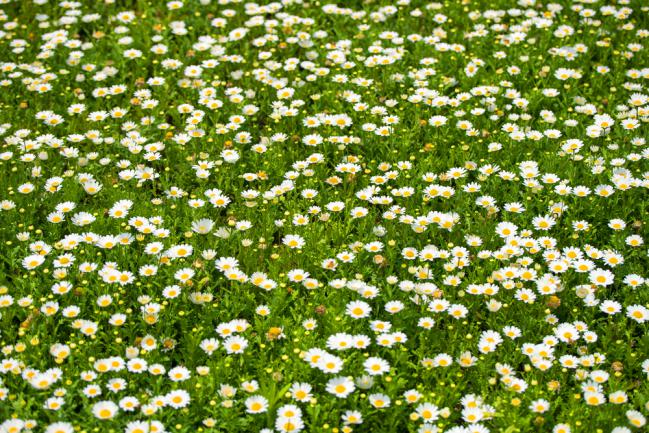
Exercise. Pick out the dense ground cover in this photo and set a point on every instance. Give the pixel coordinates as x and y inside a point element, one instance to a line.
<point>374,216</point>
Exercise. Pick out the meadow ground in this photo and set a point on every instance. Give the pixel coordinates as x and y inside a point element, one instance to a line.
<point>369,216</point>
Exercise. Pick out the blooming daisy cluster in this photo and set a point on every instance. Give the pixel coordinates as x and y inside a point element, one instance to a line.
<point>328,217</point>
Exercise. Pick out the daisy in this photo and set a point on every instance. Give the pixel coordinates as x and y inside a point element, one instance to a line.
<point>379,401</point>
<point>358,309</point>
<point>340,387</point>
<point>301,392</point>
<point>235,345</point>
<point>376,366</point>
<point>428,412</point>
<point>105,410</point>
<point>178,399</point>
<point>256,404</point>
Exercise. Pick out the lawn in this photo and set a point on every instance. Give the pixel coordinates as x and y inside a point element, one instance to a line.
<point>364,216</point>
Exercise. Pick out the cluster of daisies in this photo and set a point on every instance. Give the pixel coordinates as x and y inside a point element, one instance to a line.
<point>405,216</point>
